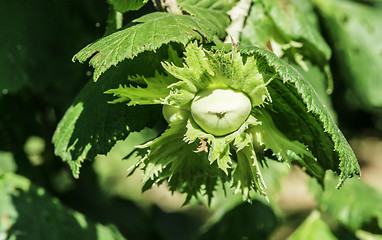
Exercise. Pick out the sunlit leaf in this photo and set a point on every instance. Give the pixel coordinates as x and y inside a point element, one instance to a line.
<point>127,5</point>
<point>210,10</point>
<point>148,33</point>
<point>313,228</point>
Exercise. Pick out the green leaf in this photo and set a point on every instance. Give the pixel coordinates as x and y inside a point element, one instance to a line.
<point>91,126</point>
<point>28,211</point>
<point>290,29</point>
<point>270,137</point>
<point>273,139</point>
<point>258,28</point>
<point>149,33</point>
<point>299,114</point>
<point>24,53</point>
<point>294,23</point>
<point>355,205</point>
<point>313,228</point>
<point>245,221</point>
<point>212,11</point>
<point>317,78</point>
<point>127,5</point>
<point>7,162</point>
<point>356,38</point>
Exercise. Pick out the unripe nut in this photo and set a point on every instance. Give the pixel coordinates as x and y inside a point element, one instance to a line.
<point>220,111</point>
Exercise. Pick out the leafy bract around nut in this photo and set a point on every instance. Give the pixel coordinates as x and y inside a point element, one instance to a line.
<point>224,138</point>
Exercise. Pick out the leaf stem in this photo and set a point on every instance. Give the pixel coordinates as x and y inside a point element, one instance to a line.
<point>118,20</point>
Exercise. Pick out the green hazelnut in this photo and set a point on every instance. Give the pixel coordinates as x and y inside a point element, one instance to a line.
<point>220,111</point>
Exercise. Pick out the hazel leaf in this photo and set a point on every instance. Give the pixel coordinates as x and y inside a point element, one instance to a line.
<point>147,33</point>
<point>127,5</point>
<point>298,113</point>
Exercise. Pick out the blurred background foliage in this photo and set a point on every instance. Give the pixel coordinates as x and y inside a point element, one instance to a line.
<point>39,199</point>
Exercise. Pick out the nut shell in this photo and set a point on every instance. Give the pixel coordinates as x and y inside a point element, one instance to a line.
<point>220,111</point>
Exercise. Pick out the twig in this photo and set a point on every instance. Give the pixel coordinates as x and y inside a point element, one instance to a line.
<point>172,6</point>
<point>238,15</point>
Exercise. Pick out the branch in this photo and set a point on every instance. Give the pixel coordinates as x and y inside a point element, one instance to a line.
<point>238,15</point>
<point>172,6</point>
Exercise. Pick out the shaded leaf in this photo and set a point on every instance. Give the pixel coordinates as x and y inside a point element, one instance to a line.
<point>284,22</point>
<point>290,30</point>
<point>92,126</point>
<point>245,221</point>
<point>298,113</point>
<point>24,52</point>
<point>295,24</point>
<point>28,212</point>
<point>354,32</point>
<point>283,148</point>
<point>356,204</point>
<point>149,33</point>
